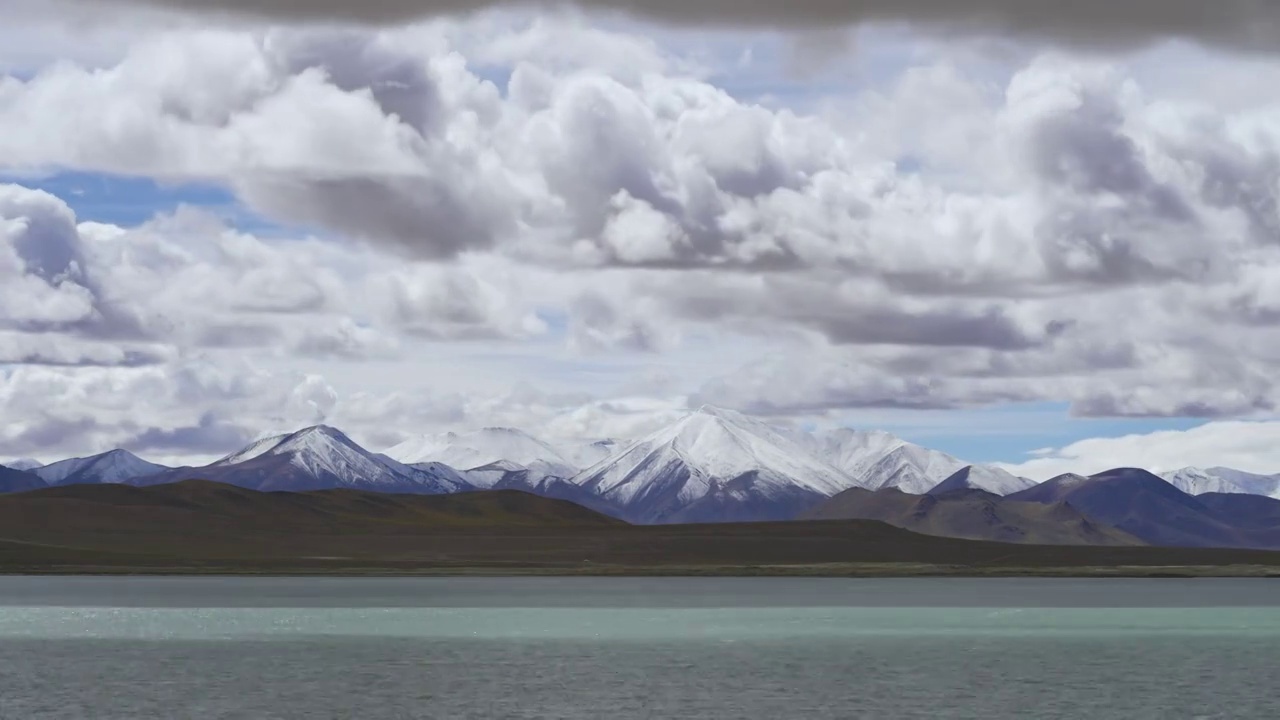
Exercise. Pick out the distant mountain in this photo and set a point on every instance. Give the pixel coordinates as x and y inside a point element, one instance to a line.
<point>14,480</point>
<point>588,454</point>
<point>465,451</point>
<point>973,515</point>
<point>1149,508</point>
<point>23,464</point>
<point>879,460</point>
<point>713,466</point>
<point>1197,481</point>
<point>1244,511</point>
<point>987,479</point>
<point>114,467</point>
<point>317,458</point>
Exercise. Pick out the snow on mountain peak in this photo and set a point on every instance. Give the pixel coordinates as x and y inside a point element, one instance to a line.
<point>322,449</point>
<point>879,460</point>
<point>1198,481</point>
<point>253,450</point>
<point>114,466</point>
<point>714,446</point>
<point>477,449</point>
<point>324,452</point>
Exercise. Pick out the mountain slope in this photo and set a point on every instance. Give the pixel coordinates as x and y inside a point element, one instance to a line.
<point>318,458</point>
<point>972,515</point>
<point>1149,508</point>
<point>116,466</point>
<point>987,479</point>
<point>713,466</point>
<point>14,480</point>
<point>1244,510</point>
<point>855,452</point>
<point>466,451</point>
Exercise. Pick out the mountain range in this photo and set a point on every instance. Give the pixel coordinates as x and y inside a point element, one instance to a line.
<point>717,466</point>
<point>318,458</point>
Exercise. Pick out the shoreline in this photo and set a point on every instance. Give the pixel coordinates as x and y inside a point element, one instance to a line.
<point>840,570</point>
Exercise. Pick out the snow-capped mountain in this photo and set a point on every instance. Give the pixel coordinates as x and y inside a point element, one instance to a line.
<point>468,451</point>
<point>114,467</point>
<point>1197,481</point>
<point>319,458</point>
<point>23,464</point>
<point>987,479</point>
<point>712,466</point>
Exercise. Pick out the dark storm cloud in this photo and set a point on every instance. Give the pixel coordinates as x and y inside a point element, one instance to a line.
<point>1122,406</point>
<point>43,432</point>
<point>991,329</point>
<point>857,322</point>
<point>73,358</point>
<point>211,435</point>
<point>424,215</point>
<point>400,86</point>
<point>1253,24</point>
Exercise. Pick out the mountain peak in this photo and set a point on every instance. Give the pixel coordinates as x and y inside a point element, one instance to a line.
<point>987,479</point>
<point>322,456</point>
<point>324,430</point>
<point>723,415</point>
<point>711,458</point>
<point>113,466</point>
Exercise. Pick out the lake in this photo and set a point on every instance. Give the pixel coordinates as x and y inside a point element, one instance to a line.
<point>751,648</point>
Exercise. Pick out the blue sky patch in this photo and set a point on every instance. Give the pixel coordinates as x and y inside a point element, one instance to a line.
<point>131,201</point>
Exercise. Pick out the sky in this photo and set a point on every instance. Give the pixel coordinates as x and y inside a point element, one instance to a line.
<point>1033,233</point>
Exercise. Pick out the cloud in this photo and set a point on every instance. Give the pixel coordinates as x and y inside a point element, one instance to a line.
<point>51,349</point>
<point>1247,446</point>
<point>211,435</point>
<point>479,204</point>
<point>376,137</point>
<point>1238,23</point>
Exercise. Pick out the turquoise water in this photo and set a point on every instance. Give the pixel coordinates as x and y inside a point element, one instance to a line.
<point>612,648</point>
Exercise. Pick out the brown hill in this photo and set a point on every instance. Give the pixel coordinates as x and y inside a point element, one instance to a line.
<point>210,515</point>
<point>972,515</point>
<point>206,527</point>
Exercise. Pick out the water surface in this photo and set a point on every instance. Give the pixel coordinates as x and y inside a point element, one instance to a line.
<point>751,648</point>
